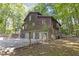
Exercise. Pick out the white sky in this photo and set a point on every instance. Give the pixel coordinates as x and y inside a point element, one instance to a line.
<point>30,5</point>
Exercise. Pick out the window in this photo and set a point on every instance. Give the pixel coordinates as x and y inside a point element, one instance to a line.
<point>26,26</point>
<point>43,21</point>
<point>23,27</point>
<point>30,35</point>
<point>36,35</point>
<point>45,35</point>
<point>33,24</point>
<point>27,35</point>
<point>22,35</point>
<point>29,18</point>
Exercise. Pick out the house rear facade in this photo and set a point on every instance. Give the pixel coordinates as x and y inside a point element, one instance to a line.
<point>37,26</point>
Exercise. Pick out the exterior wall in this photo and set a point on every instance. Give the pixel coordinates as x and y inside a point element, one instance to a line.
<point>37,23</point>
<point>31,22</point>
<point>43,20</point>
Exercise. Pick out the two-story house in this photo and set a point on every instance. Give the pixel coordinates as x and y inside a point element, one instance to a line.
<point>37,26</point>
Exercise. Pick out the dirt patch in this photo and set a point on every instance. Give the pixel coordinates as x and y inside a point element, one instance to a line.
<point>53,48</point>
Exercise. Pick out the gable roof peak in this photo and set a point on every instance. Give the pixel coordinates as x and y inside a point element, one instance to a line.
<point>34,12</point>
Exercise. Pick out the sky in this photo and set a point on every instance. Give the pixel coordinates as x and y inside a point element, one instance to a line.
<point>30,5</point>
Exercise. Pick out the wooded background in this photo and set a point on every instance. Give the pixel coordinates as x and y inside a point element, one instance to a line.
<point>67,14</point>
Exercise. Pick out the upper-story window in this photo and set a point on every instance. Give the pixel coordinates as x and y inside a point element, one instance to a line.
<point>57,25</point>
<point>25,27</point>
<point>43,22</point>
<point>29,18</point>
<point>33,24</point>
